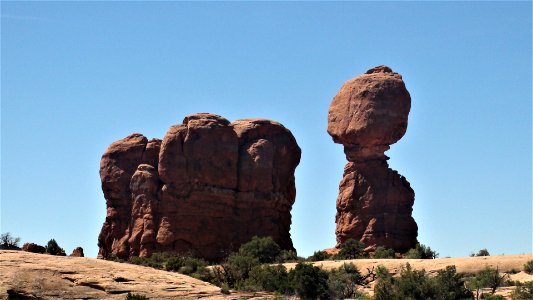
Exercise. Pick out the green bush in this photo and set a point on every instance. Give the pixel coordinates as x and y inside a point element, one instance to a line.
<point>351,249</point>
<point>382,252</point>
<point>319,256</point>
<point>487,278</point>
<point>449,285</point>
<point>194,265</point>
<point>157,260</point>
<point>237,268</point>
<point>53,248</point>
<point>264,249</point>
<point>288,256</point>
<point>421,252</point>
<point>482,252</point>
<point>224,289</point>
<point>173,264</point>
<point>417,284</point>
<point>309,282</point>
<point>342,281</point>
<point>523,292</point>
<point>268,278</point>
<point>384,287</point>
<point>413,284</point>
<point>528,267</point>
<point>131,296</point>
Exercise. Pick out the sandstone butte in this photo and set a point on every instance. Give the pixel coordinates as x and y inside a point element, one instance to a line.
<point>375,203</point>
<point>206,188</point>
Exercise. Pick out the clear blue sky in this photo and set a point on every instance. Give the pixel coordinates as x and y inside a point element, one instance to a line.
<point>77,76</point>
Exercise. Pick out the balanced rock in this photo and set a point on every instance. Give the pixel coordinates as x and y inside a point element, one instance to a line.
<point>369,113</point>
<point>206,188</point>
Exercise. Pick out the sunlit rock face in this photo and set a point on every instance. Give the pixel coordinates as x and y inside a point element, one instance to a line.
<point>206,188</point>
<point>368,114</point>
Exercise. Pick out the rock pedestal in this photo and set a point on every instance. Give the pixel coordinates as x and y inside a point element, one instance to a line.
<point>374,205</point>
<point>206,188</point>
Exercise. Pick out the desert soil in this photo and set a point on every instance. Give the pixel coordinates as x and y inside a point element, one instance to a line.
<point>54,277</point>
<point>509,265</point>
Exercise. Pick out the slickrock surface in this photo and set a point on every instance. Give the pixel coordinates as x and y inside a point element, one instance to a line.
<point>369,113</point>
<point>42,276</point>
<point>206,188</point>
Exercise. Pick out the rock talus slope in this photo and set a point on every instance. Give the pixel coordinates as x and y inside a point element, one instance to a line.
<point>206,188</point>
<point>369,113</point>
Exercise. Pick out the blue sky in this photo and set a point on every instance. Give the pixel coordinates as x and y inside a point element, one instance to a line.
<point>77,76</point>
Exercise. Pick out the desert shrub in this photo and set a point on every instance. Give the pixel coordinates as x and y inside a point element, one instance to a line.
<point>449,285</point>
<point>413,284</point>
<point>241,265</point>
<point>528,267</point>
<point>487,278</point>
<point>131,296</point>
<point>264,249</point>
<point>136,260</point>
<point>235,270</point>
<point>384,288</point>
<point>288,256</point>
<point>417,284</point>
<point>523,292</point>
<point>268,278</point>
<point>309,282</point>
<point>8,242</point>
<point>382,252</point>
<point>157,260</point>
<point>421,252</point>
<point>53,248</point>
<point>224,289</point>
<point>342,281</point>
<point>114,257</point>
<point>319,256</point>
<point>351,249</point>
<point>174,263</point>
<point>187,265</point>
<point>192,265</point>
<point>482,252</point>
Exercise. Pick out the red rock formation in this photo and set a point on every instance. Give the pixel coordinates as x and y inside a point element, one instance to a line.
<point>207,188</point>
<point>31,247</point>
<point>78,252</point>
<point>375,203</point>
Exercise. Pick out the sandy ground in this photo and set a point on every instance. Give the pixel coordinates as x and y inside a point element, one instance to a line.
<point>56,277</point>
<point>509,265</point>
<point>505,263</point>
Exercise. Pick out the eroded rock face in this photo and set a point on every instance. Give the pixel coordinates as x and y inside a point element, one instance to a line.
<point>206,188</point>
<point>370,113</point>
